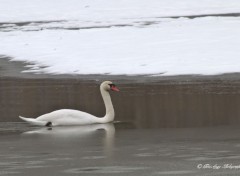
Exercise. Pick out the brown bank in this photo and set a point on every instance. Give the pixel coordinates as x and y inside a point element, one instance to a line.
<point>183,101</point>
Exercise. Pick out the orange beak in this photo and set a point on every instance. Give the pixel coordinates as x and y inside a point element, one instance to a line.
<point>114,88</point>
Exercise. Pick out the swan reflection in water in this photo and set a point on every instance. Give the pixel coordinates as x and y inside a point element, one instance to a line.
<point>75,137</point>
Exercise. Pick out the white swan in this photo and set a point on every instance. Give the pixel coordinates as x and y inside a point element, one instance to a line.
<point>75,117</point>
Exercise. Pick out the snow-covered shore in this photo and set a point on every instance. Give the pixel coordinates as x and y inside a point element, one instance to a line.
<point>124,37</point>
<point>107,10</point>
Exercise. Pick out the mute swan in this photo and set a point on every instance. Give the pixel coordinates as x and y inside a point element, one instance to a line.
<point>75,117</point>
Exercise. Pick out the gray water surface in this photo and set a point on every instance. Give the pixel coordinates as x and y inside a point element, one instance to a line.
<point>118,149</point>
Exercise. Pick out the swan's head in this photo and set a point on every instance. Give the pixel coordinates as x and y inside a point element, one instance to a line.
<point>108,85</point>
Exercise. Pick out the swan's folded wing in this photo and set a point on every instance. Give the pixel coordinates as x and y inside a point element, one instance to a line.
<point>67,117</point>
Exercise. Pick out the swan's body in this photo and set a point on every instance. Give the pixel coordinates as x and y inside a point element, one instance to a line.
<point>75,117</point>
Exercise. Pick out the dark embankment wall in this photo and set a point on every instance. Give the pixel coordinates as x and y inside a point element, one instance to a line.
<point>161,104</point>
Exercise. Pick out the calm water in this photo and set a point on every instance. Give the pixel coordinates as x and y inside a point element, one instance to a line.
<point>117,149</point>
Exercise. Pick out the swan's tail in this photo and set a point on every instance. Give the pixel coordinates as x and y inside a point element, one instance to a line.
<point>34,121</point>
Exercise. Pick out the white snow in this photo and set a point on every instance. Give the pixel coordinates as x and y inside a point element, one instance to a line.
<point>108,10</point>
<point>122,37</point>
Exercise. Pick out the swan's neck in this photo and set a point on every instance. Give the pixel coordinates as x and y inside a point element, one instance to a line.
<point>108,106</point>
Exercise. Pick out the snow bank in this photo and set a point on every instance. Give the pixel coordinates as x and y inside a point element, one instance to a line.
<point>105,10</point>
<point>147,45</point>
